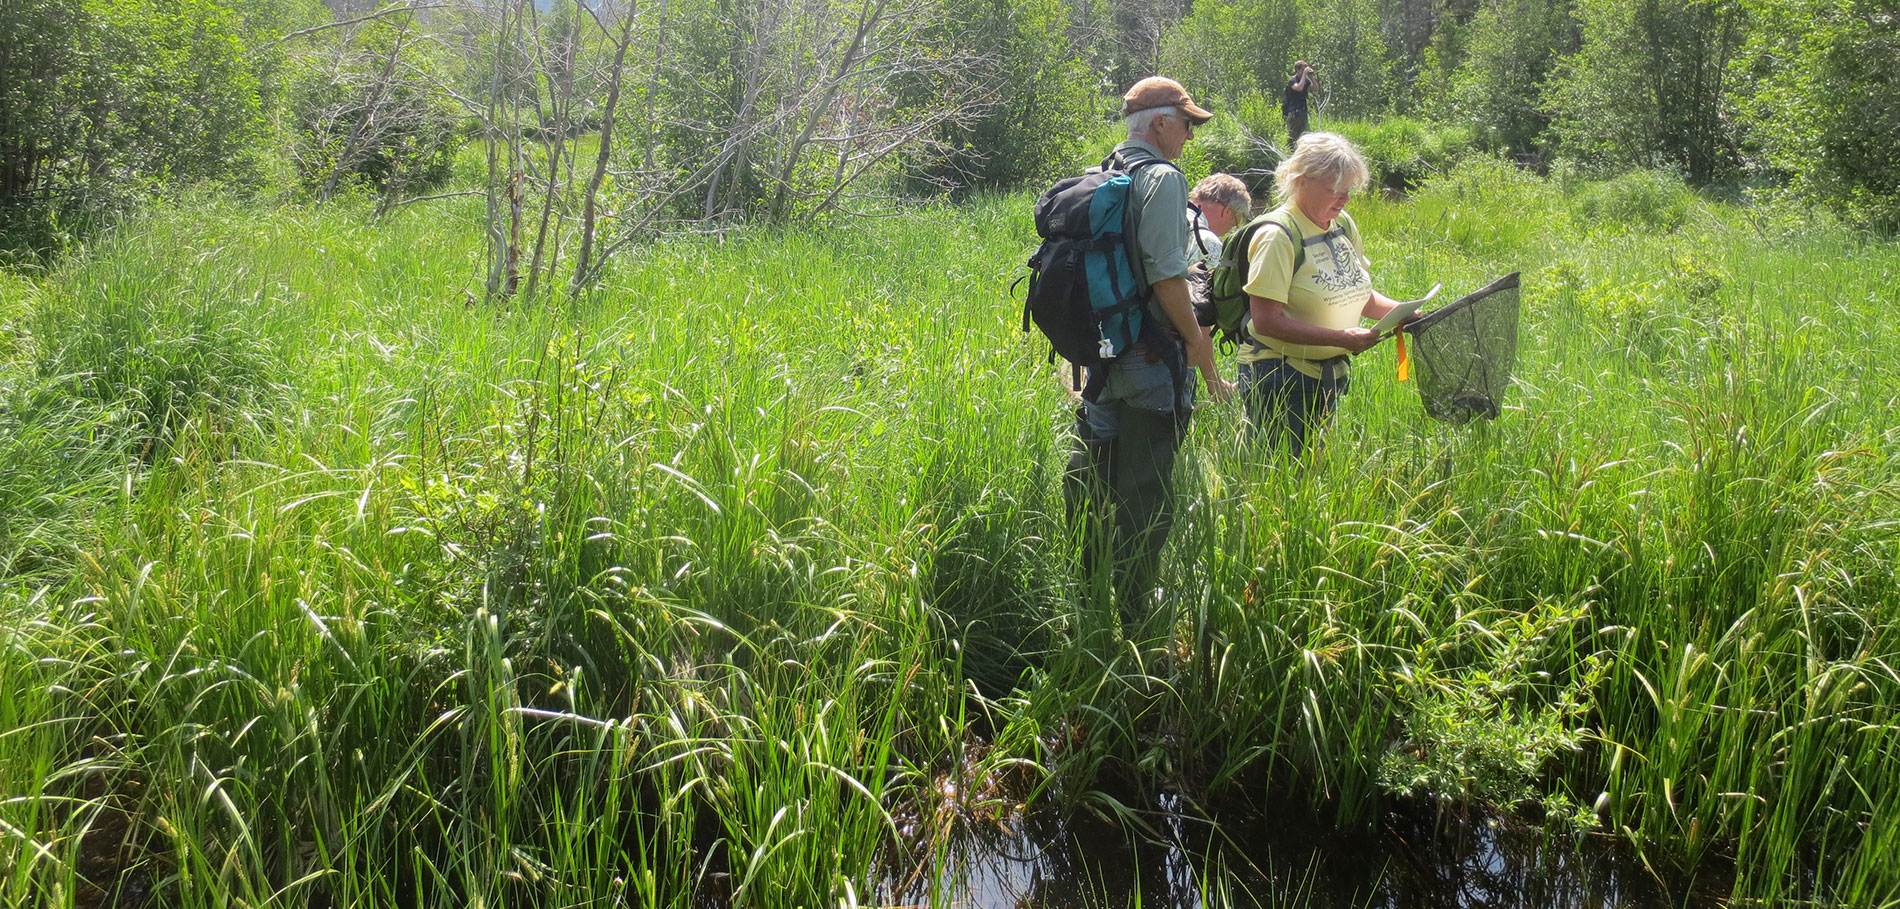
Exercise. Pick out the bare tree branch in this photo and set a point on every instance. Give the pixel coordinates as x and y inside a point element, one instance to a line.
<point>449,195</point>
<point>379,14</point>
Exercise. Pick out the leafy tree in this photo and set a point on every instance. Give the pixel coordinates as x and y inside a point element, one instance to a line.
<point>1342,38</point>
<point>1121,41</point>
<point>1409,29</point>
<point>1651,85</point>
<point>367,109</point>
<point>1509,48</point>
<point>1235,49</point>
<point>1827,106</point>
<point>38,53</point>
<point>180,89</point>
<point>1244,49</point>
<point>107,100</point>
<point>1438,62</point>
<point>1042,97</point>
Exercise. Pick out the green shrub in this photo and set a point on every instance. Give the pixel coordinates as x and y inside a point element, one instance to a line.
<point>1639,199</point>
<point>357,119</point>
<point>1402,153</point>
<point>1483,206</point>
<point>110,103</point>
<point>1046,97</point>
<point>1484,733</point>
<point>1491,184</point>
<point>1249,142</point>
<point>1245,142</point>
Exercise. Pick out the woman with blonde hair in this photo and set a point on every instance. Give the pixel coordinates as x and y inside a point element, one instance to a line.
<point>1308,285</point>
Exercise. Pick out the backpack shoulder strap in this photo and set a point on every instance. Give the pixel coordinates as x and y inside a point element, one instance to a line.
<point>1131,215</point>
<point>1195,228</point>
<point>1114,162</point>
<point>1352,232</point>
<point>1284,221</point>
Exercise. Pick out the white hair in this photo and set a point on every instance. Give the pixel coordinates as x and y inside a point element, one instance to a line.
<point>1139,121</point>
<point>1324,158</point>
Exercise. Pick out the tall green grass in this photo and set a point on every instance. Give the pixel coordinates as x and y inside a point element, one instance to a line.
<point>747,576</point>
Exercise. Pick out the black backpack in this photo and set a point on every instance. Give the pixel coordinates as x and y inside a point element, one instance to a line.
<point>1086,287</point>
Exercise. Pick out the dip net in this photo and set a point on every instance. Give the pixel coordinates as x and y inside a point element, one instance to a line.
<point>1465,351</point>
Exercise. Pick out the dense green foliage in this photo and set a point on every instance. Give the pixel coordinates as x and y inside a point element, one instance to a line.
<point>1400,152</point>
<point>722,112</point>
<point>368,109</point>
<point>1045,101</point>
<point>1829,107</point>
<point>418,551</point>
<point>324,587</point>
<point>1502,58</point>
<point>1650,85</point>
<point>101,101</point>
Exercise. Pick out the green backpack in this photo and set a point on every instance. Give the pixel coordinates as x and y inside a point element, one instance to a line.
<point>1226,284</point>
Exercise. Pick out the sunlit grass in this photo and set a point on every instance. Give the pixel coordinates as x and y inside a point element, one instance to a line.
<point>748,575</point>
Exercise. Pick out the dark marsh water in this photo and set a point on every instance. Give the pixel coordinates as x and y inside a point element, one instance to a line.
<point>1163,857</point>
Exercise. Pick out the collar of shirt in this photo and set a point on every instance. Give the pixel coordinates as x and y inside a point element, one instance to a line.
<point>1309,228</point>
<point>1139,145</point>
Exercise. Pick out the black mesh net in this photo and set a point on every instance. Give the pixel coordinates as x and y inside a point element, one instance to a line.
<point>1464,352</point>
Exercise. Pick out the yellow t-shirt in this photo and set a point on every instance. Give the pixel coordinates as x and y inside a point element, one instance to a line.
<point>1329,290</point>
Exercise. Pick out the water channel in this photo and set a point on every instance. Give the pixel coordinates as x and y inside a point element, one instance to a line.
<point>1167,858</point>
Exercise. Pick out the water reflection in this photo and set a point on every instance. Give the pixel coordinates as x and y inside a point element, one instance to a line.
<point>1166,856</point>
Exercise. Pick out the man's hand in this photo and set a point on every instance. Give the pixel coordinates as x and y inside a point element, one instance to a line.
<point>1218,388</point>
<point>1173,295</point>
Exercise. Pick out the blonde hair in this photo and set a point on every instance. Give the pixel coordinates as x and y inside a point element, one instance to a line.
<point>1321,156</point>
<point>1224,189</point>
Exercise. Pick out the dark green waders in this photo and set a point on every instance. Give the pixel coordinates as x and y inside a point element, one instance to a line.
<point>1123,490</point>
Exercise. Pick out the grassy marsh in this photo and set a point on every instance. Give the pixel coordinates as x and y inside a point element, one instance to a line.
<point>747,576</point>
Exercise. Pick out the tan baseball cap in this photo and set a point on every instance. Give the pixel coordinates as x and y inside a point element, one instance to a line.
<point>1161,91</point>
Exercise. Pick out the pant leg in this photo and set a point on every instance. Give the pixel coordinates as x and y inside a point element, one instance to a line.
<point>1121,493</point>
<point>1086,492</point>
<point>1144,462</point>
<point>1286,406</point>
<point>1268,389</point>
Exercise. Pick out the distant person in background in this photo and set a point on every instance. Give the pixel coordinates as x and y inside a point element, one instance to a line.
<point>1293,104</point>
<point>1308,285</point>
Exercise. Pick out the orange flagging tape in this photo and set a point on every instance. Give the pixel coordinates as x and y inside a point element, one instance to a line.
<point>1405,362</point>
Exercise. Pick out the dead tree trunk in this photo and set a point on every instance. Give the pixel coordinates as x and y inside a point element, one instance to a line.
<point>584,268</point>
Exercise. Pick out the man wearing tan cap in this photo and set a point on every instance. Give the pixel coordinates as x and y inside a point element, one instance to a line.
<point>1122,470</point>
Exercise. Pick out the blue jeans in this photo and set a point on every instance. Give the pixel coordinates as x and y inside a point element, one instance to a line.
<point>1287,405</point>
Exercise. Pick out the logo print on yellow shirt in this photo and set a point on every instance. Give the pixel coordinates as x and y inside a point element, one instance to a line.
<point>1340,270</point>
